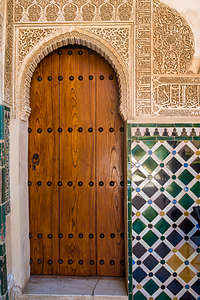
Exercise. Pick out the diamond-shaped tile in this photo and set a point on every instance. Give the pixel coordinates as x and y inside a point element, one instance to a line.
<point>138,226</point>
<point>173,144</point>
<point>187,296</point>
<point>174,189</point>
<point>150,189</point>
<point>139,274</point>
<point>174,165</point>
<point>163,296</point>
<point>186,226</point>
<point>196,165</point>
<point>175,287</point>
<point>196,287</point>
<point>162,153</point>
<point>138,152</point>
<point>187,274</point>
<point>149,144</point>
<point>174,238</point>
<point>174,213</point>
<point>150,238</point>
<point>196,262</point>
<point>186,152</point>
<point>138,177</point>
<point>186,250</point>
<point>196,189</point>
<point>151,287</point>
<point>162,201</point>
<point>186,201</point>
<point>162,250</point>
<point>162,225</point>
<point>138,202</point>
<point>150,262</point>
<point>150,214</point>
<point>174,262</point>
<point>196,144</point>
<point>196,238</point>
<point>150,165</point>
<point>162,177</point>
<point>139,296</point>
<point>139,250</point>
<point>186,177</point>
<point>162,274</point>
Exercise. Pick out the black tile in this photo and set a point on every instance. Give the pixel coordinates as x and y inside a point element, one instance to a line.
<point>139,250</point>
<point>139,274</point>
<point>174,165</point>
<point>162,250</point>
<point>187,296</point>
<point>174,213</point>
<point>173,144</point>
<point>162,274</point>
<point>150,189</point>
<point>138,202</point>
<point>196,286</point>
<point>196,165</point>
<point>150,262</point>
<point>162,177</point>
<point>186,226</point>
<point>162,201</point>
<point>174,238</point>
<point>185,153</point>
<point>175,287</point>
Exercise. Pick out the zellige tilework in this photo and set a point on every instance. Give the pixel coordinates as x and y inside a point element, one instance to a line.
<point>165,186</point>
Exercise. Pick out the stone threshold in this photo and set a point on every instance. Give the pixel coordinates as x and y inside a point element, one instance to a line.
<point>74,288</point>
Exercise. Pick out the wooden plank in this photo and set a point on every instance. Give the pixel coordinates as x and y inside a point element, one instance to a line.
<point>44,201</point>
<point>109,170</point>
<point>77,165</point>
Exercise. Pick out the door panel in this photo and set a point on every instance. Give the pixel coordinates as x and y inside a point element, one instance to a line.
<point>80,166</point>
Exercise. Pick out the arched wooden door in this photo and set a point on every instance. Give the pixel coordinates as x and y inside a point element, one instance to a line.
<point>76,166</point>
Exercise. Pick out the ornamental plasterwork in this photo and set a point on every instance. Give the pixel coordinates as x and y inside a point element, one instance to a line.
<point>54,38</point>
<point>72,10</point>
<point>173,41</point>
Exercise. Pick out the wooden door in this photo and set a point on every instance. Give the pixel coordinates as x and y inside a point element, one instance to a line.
<point>76,166</point>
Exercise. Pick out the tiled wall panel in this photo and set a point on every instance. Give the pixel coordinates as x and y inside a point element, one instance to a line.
<point>164,187</point>
<point>4,195</point>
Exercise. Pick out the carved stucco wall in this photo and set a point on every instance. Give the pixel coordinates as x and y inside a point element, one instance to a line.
<point>153,43</point>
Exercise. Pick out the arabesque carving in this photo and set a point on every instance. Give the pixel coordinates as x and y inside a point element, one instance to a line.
<point>65,10</point>
<point>176,95</point>
<point>58,39</point>
<point>173,41</point>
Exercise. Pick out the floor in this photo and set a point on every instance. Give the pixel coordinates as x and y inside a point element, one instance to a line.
<point>74,288</point>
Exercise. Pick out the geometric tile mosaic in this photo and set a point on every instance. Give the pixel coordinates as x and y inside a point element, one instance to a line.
<point>165,186</point>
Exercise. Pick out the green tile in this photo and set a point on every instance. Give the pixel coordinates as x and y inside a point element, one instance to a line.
<point>130,266</point>
<point>162,226</point>
<point>183,125</point>
<point>130,284</point>
<point>130,297</point>
<point>186,201</point>
<point>150,214</point>
<point>162,152</point>
<point>174,189</point>
<point>150,144</point>
<point>2,249</point>
<point>130,247</point>
<point>183,138</point>
<point>150,238</point>
<point>186,177</point>
<point>139,296</point>
<point>147,125</point>
<point>148,138</point>
<point>163,296</point>
<point>129,211</point>
<point>150,165</point>
<point>166,138</point>
<point>196,125</point>
<point>138,226</point>
<point>165,125</point>
<point>129,193</point>
<point>130,231</point>
<point>138,152</point>
<point>151,287</point>
<point>196,189</point>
